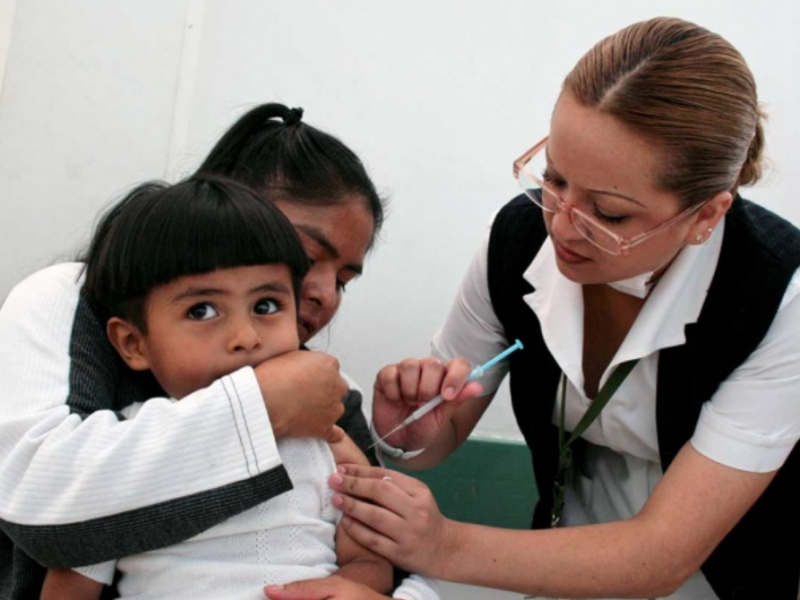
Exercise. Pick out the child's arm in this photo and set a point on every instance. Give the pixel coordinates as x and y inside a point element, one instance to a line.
<point>361,565</point>
<point>356,562</point>
<point>66,584</point>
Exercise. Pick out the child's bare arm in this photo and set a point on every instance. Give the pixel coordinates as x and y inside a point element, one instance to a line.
<point>361,565</point>
<point>66,584</point>
<point>345,450</point>
<point>356,562</point>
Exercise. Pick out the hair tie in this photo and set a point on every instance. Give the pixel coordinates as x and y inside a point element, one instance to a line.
<point>293,116</point>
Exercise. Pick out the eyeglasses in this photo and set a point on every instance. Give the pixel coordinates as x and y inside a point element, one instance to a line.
<point>528,170</point>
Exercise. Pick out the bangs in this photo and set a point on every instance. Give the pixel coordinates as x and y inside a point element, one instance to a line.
<point>215,230</point>
<point>160,233</point>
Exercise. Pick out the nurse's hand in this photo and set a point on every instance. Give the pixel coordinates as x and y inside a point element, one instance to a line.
<point>403,387</point>
<point>327,588</point>
<point>394,515</point>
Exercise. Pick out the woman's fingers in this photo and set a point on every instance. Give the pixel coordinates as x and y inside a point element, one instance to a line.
<point>432,372</point>
<point>387,383</point>
<point>390,513</point>
<point>414,381</point>
<point>373,496</point>
<point>410,372</point>
<point>455,376</point>
<point>362,477</point>
<point>402,388</point>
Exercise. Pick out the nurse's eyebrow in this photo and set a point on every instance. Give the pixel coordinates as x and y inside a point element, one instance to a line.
<point>551,165</point>
<point>617,195</point>
<point>319,237</point>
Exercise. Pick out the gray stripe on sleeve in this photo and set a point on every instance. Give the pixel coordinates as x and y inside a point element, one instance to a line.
<point>155,526</point>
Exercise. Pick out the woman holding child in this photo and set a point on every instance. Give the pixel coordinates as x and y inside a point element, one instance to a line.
<point>79,482</point>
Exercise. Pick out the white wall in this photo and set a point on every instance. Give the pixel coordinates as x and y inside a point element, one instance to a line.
<point>438,98</point>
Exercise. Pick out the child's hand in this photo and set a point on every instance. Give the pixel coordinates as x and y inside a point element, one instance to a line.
<point>328,588</point>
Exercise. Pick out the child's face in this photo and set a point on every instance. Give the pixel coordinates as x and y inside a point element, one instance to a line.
<point>202,327</point>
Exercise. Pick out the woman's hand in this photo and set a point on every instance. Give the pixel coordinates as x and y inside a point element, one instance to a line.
<point>303,392</point>
<point>327,588</point>
<point>394,515</point>
<point>403,387</point>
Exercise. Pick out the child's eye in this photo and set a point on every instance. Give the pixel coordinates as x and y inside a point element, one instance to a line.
<point>341,286</point>
<point>267,306</point>
<point>202,312</point>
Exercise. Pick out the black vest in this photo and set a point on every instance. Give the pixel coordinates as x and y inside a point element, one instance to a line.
<point>760,558</point>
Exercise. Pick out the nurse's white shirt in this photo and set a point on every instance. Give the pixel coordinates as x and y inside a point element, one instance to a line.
<point>751,423</point>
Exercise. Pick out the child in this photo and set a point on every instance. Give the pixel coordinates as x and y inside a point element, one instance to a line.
<point>200,282</point>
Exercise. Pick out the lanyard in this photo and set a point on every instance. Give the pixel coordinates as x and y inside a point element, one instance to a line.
<point>565,450</point>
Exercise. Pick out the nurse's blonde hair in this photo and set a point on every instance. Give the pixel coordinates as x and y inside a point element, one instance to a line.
<point>688,91</point>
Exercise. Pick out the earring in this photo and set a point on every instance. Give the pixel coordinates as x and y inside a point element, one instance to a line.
<point>699,237</point>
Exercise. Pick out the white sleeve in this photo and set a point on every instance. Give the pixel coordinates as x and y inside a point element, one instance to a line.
<point>753,420</point>
<point>417,587</point>
<point>119,485</point>
<point>100,572</point>
<point>472,329</point>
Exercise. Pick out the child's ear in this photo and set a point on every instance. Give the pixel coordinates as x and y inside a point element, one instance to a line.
<point>129,343</point>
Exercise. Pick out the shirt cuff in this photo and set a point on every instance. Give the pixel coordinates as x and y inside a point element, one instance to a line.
<point>100,572</point>
<point>737,448</point>
<point>251,420</point>
<point>416,587</point>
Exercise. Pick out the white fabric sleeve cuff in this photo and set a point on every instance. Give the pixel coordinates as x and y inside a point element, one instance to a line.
<point>101,572</point>
<point>416,587</point>
<point>251,420</point>
<point>737,448</point>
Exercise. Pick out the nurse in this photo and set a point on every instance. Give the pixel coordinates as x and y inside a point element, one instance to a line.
<point>659,387</point>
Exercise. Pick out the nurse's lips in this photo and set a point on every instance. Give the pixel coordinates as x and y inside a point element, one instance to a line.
<point>567,255</point>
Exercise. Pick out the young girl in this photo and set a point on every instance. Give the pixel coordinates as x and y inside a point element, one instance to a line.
<point>64,385</point>
<point>200,283</point>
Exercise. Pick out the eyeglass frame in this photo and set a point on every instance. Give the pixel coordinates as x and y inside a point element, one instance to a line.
<point>624,244</point>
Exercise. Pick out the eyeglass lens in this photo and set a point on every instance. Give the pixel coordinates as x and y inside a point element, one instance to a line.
<point>532,177</point>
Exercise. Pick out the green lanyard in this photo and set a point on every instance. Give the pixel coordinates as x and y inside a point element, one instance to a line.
<point>565,450</point>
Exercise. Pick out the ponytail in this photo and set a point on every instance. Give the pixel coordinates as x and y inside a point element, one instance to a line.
<point>227,152</point>
<point>753,167</point>
<point>272,150</point>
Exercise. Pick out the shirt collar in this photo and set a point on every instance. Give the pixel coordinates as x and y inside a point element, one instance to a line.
<point>674,303</point>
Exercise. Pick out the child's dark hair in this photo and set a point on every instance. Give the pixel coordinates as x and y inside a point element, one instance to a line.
<point>161,232</point>
<point>292,161</point>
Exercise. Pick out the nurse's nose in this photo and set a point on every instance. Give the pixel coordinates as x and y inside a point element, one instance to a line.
<point>562,226</point>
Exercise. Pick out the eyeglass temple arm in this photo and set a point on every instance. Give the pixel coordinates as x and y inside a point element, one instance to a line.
<point>520,162</point>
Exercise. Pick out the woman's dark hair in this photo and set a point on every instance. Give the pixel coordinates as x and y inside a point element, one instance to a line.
<point>686,89</point>
<point>161,232</point>
<point>292,161</point>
